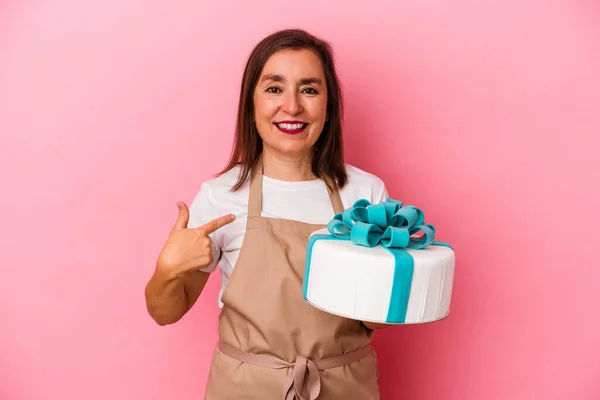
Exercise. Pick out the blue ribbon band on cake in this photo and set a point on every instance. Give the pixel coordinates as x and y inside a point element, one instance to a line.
<point>387,224</point>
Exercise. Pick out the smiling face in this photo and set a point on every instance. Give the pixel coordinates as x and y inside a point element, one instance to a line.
<point>290,102</point>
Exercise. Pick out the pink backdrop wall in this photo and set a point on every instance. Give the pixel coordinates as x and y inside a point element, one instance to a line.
<point>485,114</point>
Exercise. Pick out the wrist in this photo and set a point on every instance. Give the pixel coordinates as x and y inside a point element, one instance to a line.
<point>166,273</point>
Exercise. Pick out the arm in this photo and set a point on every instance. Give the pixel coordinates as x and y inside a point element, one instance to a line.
<point>182,269</point>
<point>168,298</point>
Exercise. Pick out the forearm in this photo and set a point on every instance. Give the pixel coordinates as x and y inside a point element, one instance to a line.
<point>166,299</point>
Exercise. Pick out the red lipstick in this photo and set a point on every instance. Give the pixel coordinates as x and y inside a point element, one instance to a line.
<point>291,127</point>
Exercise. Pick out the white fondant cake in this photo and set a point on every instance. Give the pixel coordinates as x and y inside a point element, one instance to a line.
<point>361,282</point>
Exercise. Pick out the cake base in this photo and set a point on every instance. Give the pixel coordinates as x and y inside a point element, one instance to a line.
<point>379,322</point>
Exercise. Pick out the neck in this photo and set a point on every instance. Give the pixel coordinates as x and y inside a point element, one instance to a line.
<point>287,167</point>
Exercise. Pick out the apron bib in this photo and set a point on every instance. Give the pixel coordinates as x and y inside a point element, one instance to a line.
<point>273,344</point>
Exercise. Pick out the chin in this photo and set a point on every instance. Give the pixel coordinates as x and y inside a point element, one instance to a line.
<point>291,149</point>
<point>293,152</point>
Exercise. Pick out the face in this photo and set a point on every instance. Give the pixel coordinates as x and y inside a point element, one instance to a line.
<point>290,102</point>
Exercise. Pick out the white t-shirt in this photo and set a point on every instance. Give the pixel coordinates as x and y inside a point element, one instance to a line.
<point>305,201</point>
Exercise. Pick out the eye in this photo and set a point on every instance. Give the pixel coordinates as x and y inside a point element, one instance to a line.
<point>273,89</point>
<point>309,90</point>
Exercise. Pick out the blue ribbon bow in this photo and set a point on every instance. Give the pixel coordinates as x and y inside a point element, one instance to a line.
<point>387,223</point>
<point>391,225</point>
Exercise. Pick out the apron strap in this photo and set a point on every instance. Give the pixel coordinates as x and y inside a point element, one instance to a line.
<point>336,200</point>
<point>255,195</point>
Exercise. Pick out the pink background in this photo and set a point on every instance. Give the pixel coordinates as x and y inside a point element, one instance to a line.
<point>484,113</point>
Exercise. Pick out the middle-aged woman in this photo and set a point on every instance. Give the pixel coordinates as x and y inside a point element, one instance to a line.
<point>285,179</point>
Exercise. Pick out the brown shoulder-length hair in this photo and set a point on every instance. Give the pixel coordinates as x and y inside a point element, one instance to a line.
<point>328,158</point>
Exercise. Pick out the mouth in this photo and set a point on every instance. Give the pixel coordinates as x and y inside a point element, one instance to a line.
<point>291,127</point>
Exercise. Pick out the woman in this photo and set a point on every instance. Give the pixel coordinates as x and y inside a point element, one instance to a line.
<point>285,179</point>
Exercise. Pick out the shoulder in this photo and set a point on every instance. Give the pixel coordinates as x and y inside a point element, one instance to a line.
<point>217,187</point>
<point>363,184</point>
<point>359,177</point>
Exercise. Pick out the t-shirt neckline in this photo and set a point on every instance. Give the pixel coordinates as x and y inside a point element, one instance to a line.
<point>292,184</point>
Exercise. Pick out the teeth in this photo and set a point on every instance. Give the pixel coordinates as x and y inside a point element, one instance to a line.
<point>290,127</point>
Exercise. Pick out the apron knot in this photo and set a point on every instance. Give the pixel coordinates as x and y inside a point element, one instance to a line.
<point>304,383</point>
<point>304,380</point>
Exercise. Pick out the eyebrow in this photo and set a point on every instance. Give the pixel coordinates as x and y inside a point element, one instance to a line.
<point>303,81</point>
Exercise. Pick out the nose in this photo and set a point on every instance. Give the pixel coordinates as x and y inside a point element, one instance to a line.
<point>291,104</point>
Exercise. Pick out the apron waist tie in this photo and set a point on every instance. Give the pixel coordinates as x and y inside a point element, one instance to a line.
<point>303,369</point>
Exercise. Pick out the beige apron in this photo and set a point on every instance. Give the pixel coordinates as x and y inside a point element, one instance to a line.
<point>273,344</point>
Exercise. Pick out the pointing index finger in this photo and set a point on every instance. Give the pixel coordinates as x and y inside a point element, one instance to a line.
<point>218,223</point>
